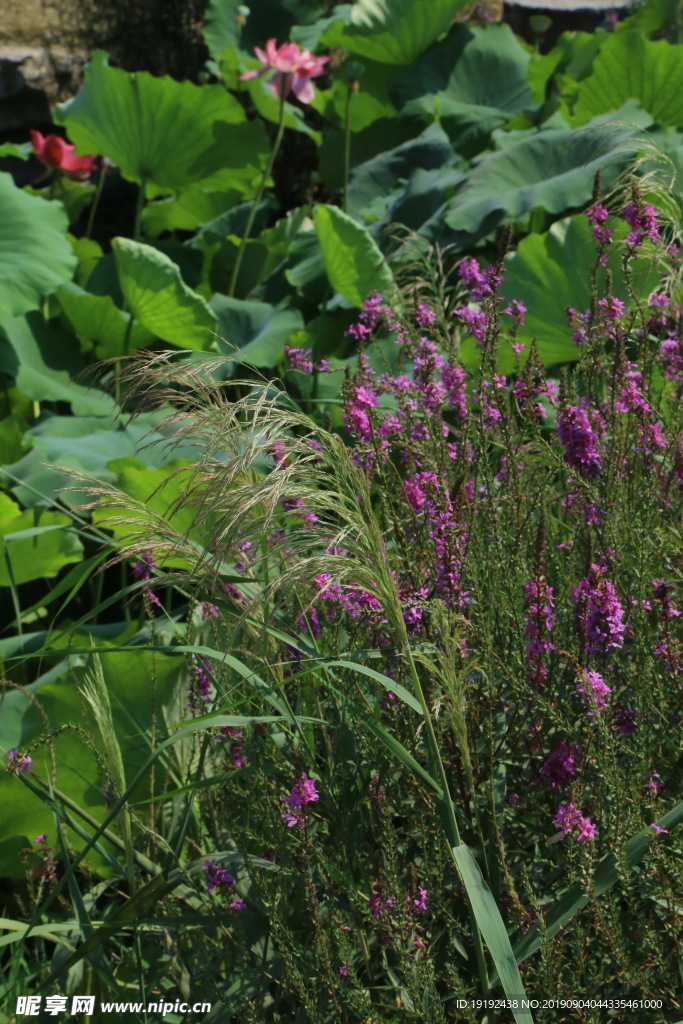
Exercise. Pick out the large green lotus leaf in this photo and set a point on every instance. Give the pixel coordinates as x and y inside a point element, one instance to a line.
<point>305,268</point>
<point>550,272</point>
<point>395,31</point>
<point>194,206</point>
<point>264,253</point>
<point>355,266</point>
<point>47,545</point>
<point>157,296</point>
<point>88,253</point>
<point>75,196</point>
<point>166,132</point>
<point>481,69</point>
<point>233,222</point>
<point>254,332</point>
<point>423,203</point>
<point>99,325</point>
<point>553,169</point>
<point>19,152</point>
<point>380,136</point>
<point>136,705</point>
<point>268,19</point>
<point>44,362</point>
<point>221,28</point>
<point>572,55</point>
<point>35,256</point>
<point>370,103</point>
<point>629,66</point>
<point>12,431</point>
<point>159,489</point>
<point>377,178</point>
<point>84,444</point>
<point>654,16</point>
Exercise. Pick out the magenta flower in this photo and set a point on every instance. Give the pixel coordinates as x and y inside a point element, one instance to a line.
<point>562,765</point>
<point>642,219</point>
<point>18,764</point>
<point>216,876</point>
<point>580,440</point>
<point>594,691</point>
<point>303,792</point>
<point>293,68</point>
<point>141,569</point>
<point>420,904</point>
<point>658,829</point>
<point>540,620</point>
<point>597,217</point>
<point>599,613</point>
<point>571,821</point>
<point>53,151</point>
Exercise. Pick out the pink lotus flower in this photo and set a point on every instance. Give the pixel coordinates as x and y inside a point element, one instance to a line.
<point>294,68</point>
<point>53,151</point>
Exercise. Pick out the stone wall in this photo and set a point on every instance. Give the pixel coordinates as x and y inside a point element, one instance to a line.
<point>38,65</point>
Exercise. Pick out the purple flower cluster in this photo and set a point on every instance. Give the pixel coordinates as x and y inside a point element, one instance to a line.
<point>19,764</point>
<point>663,591</point>
<point>540,620</point>
<point>597,217</point>
<point>642,219</point>
<point>383,908</point>
<point>562,765</point>
<point>576,432</point>
<point>424,316</point>
<point>352,599</point>
<point>481,284</point>
<point>671,354</point>
<point>599,613</point>
<point>303,792</point>
<point>199,690</point>
<point>141,568</point>
<point>594,691</point>
<point>668,647</point>
<point>141,571</point>
<point>374,314</point>
<point>356,415</point>
<point>570,819</point>
<point>218,878</point>
<point>300,359</point>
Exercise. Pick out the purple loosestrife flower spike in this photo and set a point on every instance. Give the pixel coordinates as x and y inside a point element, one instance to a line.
<point>599,613</point>
<point>216,876</point>
<point>562,765</point>
<point>303,792</point>
<point>594,691</point>
<point>540,620</point>
<point>570,819</point>
<point>642,219</point>
<point>581,441</point>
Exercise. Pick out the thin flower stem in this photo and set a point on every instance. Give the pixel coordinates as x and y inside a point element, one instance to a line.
<point>95,203</point>
<point>137,226</point>
<point>259,196</point>
<point>347,145</point>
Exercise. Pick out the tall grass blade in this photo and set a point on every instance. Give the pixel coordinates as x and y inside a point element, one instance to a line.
<point>493,929</point>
